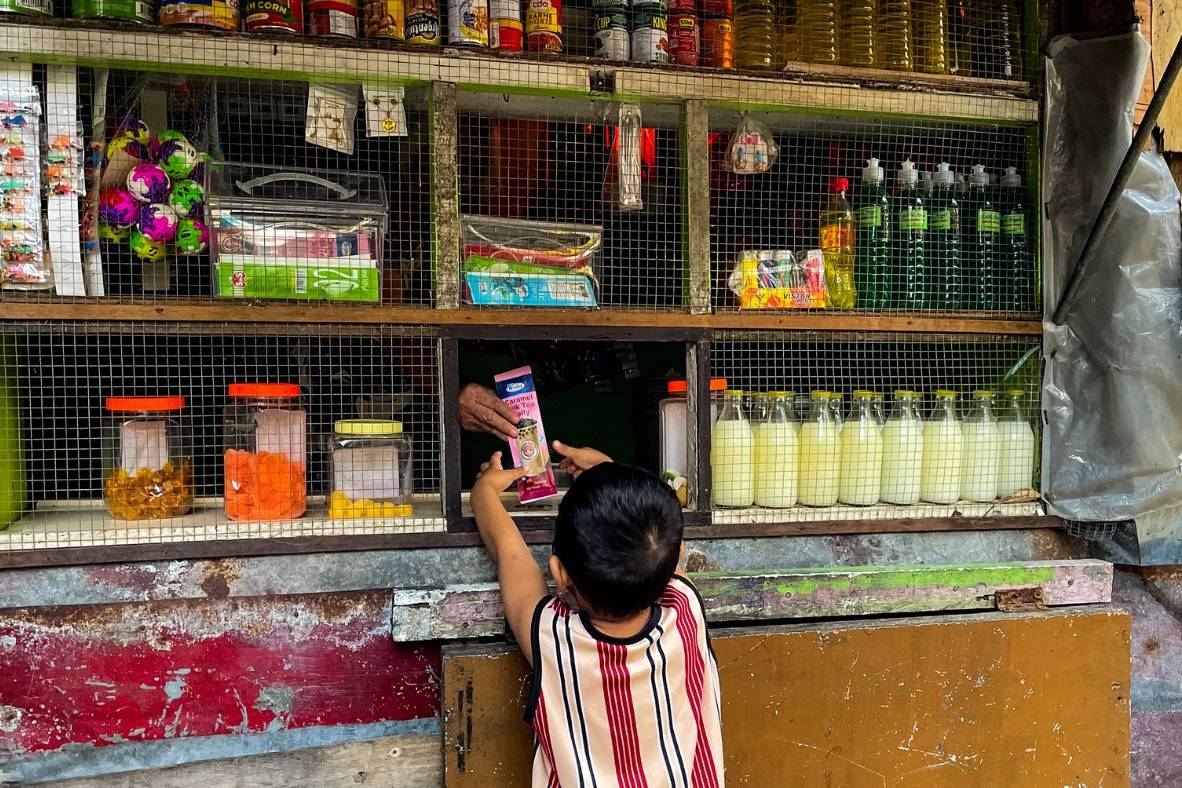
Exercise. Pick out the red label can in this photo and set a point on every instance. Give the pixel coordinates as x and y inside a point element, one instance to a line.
<point>683,7</point>
<point>543,26</point>
<point>333,17</point>
<point>716,9</point>
<point>284,16</point>
<point>683,39</point>
<point>718,43</point>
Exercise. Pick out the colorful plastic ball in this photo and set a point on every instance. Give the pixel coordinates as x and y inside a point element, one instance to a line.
<point>178,158</point>
<point>144,247</point>
<point>109,232</point>
<point>187,199</point>
<point>127,144</point>
<point>158,221</point>
<point>147,182</point>
<point>165,136</point>
<point>192,236</point>
<point>118,208</point>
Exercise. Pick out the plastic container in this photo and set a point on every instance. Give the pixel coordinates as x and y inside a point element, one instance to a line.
<point>930,35</point>
<point>982,235</point>
<point>674,420</point>
<point>894,34</point>
<point>861,454</point>
<point>266,452</point>
<point>910,247</point>
<point>820,454</point>
<point>943,452</point>
<point>732,446</point>
<point>944,237</point>
<point>776,453</point>
<point>902,450</point>
<point>371,470</point>
<point>982,450</point>
<point>859,33</point>
<point>872,265</point>
<point>837,245</point>
<point>818,24</point>
<point>755,34</point>
<point>147,469</point>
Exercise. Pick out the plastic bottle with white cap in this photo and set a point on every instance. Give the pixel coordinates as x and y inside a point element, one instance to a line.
<point>982,225</point>
<point>911,225</point>
<point>872,266</point>
<point>1019,286</point>
<point>944,253</point>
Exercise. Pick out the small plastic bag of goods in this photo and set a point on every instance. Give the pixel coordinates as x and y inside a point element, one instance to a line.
<point>753,149</point>
<point>779,279</point>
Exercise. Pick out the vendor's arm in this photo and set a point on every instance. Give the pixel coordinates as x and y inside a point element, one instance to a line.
<point>520,577</point>
<point>481,410</point>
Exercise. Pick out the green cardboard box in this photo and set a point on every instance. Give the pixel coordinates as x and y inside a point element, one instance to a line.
<point>237,278</point>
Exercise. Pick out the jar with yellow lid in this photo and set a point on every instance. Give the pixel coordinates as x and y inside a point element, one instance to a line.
<point>371,470</point>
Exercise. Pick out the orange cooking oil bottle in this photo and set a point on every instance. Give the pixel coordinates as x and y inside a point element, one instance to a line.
<point>837,246</point>
<point>755,34</point>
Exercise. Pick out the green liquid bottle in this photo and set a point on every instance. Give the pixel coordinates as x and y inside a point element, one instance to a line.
<point>982,224</point>
<point>1015,245</point>
<point>872,265</point>
<point>944,254</point>
<point>910,247</point>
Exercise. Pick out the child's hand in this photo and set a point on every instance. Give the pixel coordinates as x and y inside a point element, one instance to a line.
<point>493,476</point>
<point>576,460</point>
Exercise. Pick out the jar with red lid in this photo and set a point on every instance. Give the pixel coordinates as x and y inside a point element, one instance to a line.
<point>674,420</point>
<point>148,469</point>
<point>266,452</point>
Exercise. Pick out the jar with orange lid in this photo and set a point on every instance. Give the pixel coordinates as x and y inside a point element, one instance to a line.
<point>148,469</point>
<point>674,420</point>
<point>371,470</point>
<point>266,452</point>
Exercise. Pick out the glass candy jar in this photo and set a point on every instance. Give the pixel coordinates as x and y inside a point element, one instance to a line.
<point>148,470</point>
<point>371,470</point>
<point>266,452</point>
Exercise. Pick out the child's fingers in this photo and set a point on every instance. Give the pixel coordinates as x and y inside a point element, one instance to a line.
<point>560,447</point>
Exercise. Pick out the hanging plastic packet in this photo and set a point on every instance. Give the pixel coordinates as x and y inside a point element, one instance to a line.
<point>752,148</point>
<point>385,114</point>
<point>332,110</point>
<point>22,254</point>
<point>629,159</point>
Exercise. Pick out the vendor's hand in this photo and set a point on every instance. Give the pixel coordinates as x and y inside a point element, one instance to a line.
<point>576,460</point>
<point>481,410</point>
<point>492,475</point>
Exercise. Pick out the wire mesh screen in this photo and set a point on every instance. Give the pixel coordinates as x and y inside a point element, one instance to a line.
<point>871,214</point>
<point>819,427</point>
<point>604,179</point>
<point>141,432</point>
<point>219,188</point>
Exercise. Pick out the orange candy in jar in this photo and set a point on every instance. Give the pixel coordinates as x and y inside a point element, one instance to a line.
<point>266,451</point>
<point>148,473</point>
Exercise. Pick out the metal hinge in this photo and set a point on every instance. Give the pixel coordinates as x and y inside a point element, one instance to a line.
<point>1018,600</point>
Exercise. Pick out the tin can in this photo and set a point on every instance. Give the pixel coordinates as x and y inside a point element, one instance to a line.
<point>333,18</point>
<point>138,11</point>
<point>422,22</point>
<point>280,16</point>
<point>650,33</point>
<point>683,39</point>
<point>543,26</point>
<point>506,33</point>
<point>718,43</point>
<point>27,7</point>
<point>682,7</point>
<point>467,23</point>
<point>385,19</point>
<point>219,14</point>
<point>716,9</point>
<point>613,37</point>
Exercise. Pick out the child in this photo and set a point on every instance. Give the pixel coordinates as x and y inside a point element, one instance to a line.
<point>625,686</point>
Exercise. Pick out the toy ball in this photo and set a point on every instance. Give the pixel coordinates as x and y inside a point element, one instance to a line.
<point>127,144</point>
<point>117,208</point>
<point>167,135</point>
<point>144,247</point>
<point>187,198</point>
<point>158,222</point>
<point>178,158</point>
<point>192,236</point>
<point>138,131</point>
<point>109,232</point>
<point>147,182</point>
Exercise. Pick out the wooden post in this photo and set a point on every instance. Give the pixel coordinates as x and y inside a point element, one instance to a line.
<point>451,489</point>
<point>697,369</point>
<point>445,195</point>
<point>695,153</point>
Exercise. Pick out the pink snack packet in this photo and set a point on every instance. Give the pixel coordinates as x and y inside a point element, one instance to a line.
<point>530,451</point>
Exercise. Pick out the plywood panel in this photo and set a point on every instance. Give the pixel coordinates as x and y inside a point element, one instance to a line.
<point>992,699</point>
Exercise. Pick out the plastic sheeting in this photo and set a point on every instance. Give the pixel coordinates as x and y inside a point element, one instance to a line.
<point>1112,398</point>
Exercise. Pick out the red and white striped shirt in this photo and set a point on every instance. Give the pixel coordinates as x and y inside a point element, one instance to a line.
<point>628,712</point>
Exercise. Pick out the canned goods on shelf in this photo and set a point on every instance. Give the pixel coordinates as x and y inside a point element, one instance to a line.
<point>27,7</point>
<point>716,9</point>
<point>333,18</point>
<point>219,14</point>
<point>506,33</point>
<point>650,35</point>
<point>138,11</point>
<point>543,26</point>
<point>385,19</point>
<point>277,16</point>
<point>613,36</point>
<point>717,43</point>
<point>467,23</point>
<point>683,39</point>
<point>422,22</point>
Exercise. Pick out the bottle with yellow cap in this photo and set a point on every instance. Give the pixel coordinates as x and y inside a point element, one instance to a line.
<point>732,449</point>
<point>371,470</point>
<point>1015,467</point>
<point>776,456</point>
<point>982,450</point>
<point>943,452</point>
<point>861,454</point>
<point>902,450</point>
<point>820,453</point>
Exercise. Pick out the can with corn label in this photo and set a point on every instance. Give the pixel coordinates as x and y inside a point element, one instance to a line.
<point>275,16</point>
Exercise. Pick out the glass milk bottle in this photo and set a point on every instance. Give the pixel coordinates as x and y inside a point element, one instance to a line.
<point>1015,468</point>
<point>982,450</point>
<point>879,408</point>
<point>861,454</point>
<point>943,452</point>
<point>902,450</point>
<point>776,456</point>
<point>732,446</point>
<point>820,454</point>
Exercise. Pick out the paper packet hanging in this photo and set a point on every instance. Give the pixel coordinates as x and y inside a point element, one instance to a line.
<point>752,148</point>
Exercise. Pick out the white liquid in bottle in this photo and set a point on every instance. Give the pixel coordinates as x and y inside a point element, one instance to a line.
<point>732,446</point>
<point>902,451</point>
<point>943,453</point>
<point>1015,469</point>
<point>861,454</point>
<point>775,464</point>
<point>820,456</point>
<point>982,451</point>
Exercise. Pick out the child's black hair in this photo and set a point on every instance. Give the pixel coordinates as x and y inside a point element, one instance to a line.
<point>618,535</point>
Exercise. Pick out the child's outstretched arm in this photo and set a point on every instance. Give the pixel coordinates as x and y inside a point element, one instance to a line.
<point>522,584</point>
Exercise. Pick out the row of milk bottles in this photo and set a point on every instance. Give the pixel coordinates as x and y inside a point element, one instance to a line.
<point>779,461</point>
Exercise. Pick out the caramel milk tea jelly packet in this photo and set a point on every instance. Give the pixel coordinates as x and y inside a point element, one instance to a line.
<point>530,450</point>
